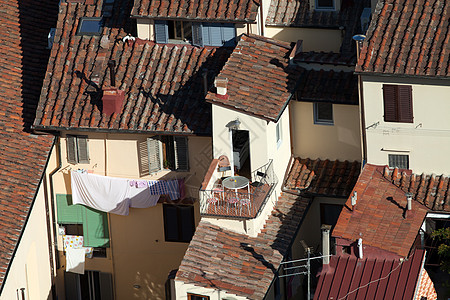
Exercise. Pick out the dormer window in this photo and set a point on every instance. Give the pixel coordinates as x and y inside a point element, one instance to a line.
<point>325,5</point>
<point>90,26</point>
<point>196,33</point>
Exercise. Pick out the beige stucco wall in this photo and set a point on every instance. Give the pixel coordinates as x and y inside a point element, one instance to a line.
<point>145,29</point>
<point>313,39</point>
<point>426,140</point>
<point>182,289</point>
<point>138,253</point>
<point>30,267</point>
<point>339,141</point>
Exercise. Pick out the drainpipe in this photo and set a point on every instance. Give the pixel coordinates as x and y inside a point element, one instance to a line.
<point>52,197</point>
<point>359,38</point>
<point>262,18</point>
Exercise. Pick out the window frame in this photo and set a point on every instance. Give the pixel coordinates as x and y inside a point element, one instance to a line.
<point>326,8</point>
<point>78,155</point>
<point>190,296</point>
<point>398,103</point>
<point>180,227</point>
<point>396,157</point>
<point>319,121</point>
<point>90,19</point>
<point>172,153</point>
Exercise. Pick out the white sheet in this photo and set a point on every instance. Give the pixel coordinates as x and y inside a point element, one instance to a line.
<point>75,259</point>
<point>109,194</point>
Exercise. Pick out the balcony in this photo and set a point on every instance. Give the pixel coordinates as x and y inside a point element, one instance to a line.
<point>241,203</point>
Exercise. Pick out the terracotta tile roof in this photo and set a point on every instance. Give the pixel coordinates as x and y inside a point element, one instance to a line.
<point>230,10</point>
<point>23,59</point>
<point>408,38</point>
<point>329,58</point>
<point>370,278</point>
<point>260,79</point>
<point>220,259</point>
<point>433,191</point>
<point>297,13</point>
<point>328,86</point>
<point>163,84</point>
<point>379,216</point>
<point>322,177</point>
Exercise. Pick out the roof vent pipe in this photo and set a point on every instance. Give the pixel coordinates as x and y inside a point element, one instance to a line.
<point>408,203</point>
<point>205,81</point>
<point>326,244</point>
<point>360,248</point>
<point>354,198</point>
<point>358,38</point>
<point>111,66</point>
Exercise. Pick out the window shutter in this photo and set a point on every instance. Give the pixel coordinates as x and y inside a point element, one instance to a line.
<point>161,32</point>
<point>95,228</point>
<point>205,34</point>
<point>72,286</point>
<point>82,147</point>
<point>181,153</point>
<point>187,223</point>
<point>143,158</point>
<point>154,154</point>
<point>67,212</point>
<point>215,34</point>
<point>170,222</point>
<point>390,102</point>
<point>71,145</point>
<point>405,109</point>
<point>197,34</point>
<point>228,34</point>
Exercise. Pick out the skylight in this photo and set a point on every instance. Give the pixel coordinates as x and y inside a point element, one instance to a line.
<point>90,26</point>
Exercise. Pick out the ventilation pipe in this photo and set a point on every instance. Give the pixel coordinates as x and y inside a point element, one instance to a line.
<point>111,66</point>
<point>326,244</point>
<point>205,81</point>
<point>360,248</point>
<point>354,199</point>
<point>408,202</point>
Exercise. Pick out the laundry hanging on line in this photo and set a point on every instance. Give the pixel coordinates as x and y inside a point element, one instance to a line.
<point>117,195</point>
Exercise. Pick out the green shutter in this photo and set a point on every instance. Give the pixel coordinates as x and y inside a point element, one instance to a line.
<point>95,228</point>
<point>71,144</point>
<point>83,151</point>
<point>181,153</point>
<point>68,213</point>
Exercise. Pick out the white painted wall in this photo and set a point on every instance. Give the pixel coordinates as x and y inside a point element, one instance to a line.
<point>426,140</point>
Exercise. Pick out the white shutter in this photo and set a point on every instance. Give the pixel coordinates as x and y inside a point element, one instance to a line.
<point>71,145</point>
<point>181,153</point>
<point>83,150</point>
<point>154,154</point>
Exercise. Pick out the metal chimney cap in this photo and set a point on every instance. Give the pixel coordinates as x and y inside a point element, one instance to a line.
<point>408,195</point>
<point>359,37</point>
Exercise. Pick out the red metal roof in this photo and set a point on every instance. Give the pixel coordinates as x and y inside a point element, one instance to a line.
<point>214,10</point>
<point>408,38</point>
<point>379,216</point>
<point>347,277</point>
<point>23,60</point>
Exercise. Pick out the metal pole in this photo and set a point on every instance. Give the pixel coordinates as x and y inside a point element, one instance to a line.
<point>231,152</point>
<point>308,267</point>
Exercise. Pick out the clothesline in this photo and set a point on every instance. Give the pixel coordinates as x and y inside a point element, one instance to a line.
<point>117,195</point>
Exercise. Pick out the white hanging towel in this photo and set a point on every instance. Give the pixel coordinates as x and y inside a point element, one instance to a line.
<point>75,259</point>
<point>109,194</point>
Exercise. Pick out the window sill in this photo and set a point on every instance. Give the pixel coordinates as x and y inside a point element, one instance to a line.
<point>323,123</point>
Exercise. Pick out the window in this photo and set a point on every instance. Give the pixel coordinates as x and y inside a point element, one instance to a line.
<point>397,103</point>
<point>179,223</point>
<point>329,214</point>
<point>93,223</point>
<point>325,4</point>
<point>197,297</point>
<point>197,33</point>
<point>400,161</point>
<point>90,26</point>
<point>323,113</point>
<point>92,285</point>
<point>278,133</point>
<point>169,152</point>
<point>77,149</point>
